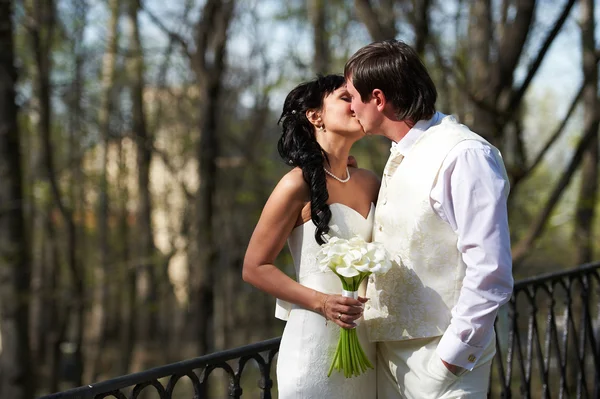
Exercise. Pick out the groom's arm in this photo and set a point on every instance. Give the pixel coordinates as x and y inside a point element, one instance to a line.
<point>471,196</point>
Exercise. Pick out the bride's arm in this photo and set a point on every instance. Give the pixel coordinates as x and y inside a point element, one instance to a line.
<point>278,219</point>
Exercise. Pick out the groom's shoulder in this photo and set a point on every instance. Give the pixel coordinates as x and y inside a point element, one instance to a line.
<point>366,174</point>
<point>367,179</point>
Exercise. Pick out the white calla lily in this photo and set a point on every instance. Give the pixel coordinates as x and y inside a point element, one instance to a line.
<point>352,260</point>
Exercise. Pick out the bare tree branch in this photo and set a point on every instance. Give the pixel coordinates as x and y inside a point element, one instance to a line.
<point>520,149</point>
<point>518,94</point>
<point>166,159</point>
<point>459,78</point>
<point>172,35</point>
<point>560,129</point>
<point>518,177</point>
<point>521,249</point>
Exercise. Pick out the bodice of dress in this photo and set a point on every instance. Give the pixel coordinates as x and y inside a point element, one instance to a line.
<point>345,223</point>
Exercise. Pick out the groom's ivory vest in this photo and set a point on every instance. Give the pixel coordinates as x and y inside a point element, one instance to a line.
<point>415,297</point>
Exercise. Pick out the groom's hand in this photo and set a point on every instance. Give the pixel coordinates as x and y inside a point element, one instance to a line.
<point>352,162</point>
<point>456,370</point>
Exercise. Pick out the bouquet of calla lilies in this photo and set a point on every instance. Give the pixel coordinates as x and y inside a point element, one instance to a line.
<point>352,260</point>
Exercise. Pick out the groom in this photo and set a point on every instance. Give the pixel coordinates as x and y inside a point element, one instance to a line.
<point>441,213</point>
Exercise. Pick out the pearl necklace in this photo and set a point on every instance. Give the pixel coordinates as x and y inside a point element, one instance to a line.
<point>337,178</point>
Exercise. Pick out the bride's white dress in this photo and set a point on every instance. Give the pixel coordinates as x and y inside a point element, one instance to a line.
<point>308,344</point>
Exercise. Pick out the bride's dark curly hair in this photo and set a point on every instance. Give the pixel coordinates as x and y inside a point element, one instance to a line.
<point>298,145</point>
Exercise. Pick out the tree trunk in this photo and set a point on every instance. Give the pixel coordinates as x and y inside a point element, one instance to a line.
<point>420,22</point>
<point>40,290</point>
<point>480,41</point>
<point>73,314</point>
<point>318,15</point>
<point>42,27</point>
<point>496,101</point>
<point>583,236</point>
<point>211,38</point>
<point>76,235</point>
<point>381,21</point>
<point>97,325</point>
<point>494,59</point>
<point>144,252</point>
<point>53,319</point>
<point>16,380</point>
<point>583,232</point>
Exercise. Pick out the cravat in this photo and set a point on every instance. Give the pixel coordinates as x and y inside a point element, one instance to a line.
<point>392,164</point>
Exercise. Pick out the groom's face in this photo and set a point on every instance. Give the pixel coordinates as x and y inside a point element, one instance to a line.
<point>366,113</point>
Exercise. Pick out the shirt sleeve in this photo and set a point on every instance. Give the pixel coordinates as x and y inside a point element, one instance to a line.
<point>471,194</point>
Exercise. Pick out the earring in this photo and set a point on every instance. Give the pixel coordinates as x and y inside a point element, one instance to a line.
<point>321,128</point>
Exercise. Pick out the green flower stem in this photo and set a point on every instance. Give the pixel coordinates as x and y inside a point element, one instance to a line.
<point>349,353</point>
<point>349,356</point>
<point>352,345</point>
<point>336,358</point>
<point>360,357</point>
<point>347,364</point>
<point>356,355</point>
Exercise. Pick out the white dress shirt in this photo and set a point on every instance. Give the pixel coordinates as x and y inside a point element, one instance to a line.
<point>470,194</point>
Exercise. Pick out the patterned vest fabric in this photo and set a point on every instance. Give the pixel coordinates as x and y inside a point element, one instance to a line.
<point>414,299</point>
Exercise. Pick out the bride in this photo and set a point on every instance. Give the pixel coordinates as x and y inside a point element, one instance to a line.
<point>320,196</point>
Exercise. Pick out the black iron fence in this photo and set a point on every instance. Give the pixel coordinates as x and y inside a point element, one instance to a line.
<point>548,337</point>
<point>547,347</point>
<point>162,382</point>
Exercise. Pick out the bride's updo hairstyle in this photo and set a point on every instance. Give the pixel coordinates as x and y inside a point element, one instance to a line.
<point>298,145</point>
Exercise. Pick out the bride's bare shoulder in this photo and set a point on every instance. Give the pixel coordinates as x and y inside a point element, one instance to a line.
<point>293,186</point>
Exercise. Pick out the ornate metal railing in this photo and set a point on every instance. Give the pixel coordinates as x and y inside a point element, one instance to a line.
<point>196,370</point>
<point>548,337</point>
<point>547,347</point>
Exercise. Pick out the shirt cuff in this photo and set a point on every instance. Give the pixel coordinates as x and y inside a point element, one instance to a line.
<point>452,350</point>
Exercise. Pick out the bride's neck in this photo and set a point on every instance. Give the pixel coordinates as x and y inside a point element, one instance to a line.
<point>337,154</point>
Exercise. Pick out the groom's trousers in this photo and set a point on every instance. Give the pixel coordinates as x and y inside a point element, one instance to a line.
<point>412,369</point>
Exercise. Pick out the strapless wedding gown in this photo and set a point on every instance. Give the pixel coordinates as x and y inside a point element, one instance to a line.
<point>308,344</point>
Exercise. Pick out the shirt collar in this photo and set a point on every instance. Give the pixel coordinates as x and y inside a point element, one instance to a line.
<point>406,143</point>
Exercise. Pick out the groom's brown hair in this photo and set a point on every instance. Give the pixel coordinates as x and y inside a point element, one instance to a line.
<point>396,69</point>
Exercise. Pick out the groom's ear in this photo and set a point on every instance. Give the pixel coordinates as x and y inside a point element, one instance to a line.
<point>378,98</point>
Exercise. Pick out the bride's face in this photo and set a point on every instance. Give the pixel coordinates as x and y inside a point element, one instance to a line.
<point>338,116</point>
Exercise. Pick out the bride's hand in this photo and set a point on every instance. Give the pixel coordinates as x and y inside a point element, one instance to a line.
<point>343,311</point>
